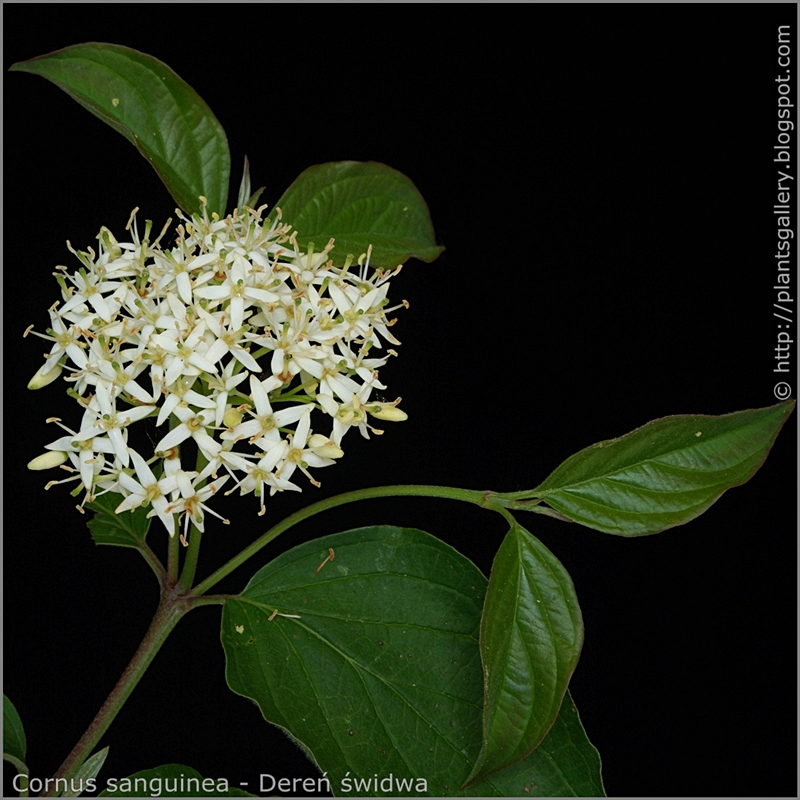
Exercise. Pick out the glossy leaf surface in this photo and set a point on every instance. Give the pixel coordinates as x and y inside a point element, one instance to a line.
<point>663,474</point>
<point>531,637</point>
<point>360,204</point>
<point>145,101</point>
<point>376,670</point>
<point>14,743</point>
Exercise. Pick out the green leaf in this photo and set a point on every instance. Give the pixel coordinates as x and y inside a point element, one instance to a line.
<point>14,744</point>
<point>565,764</point>
<point>663,474</point>
<point>145,101</point>
<point>87,772</point>
<point>376,670</point>
<point>531,637</point>
<point>171,780</point>
<point>127,529</point>
<point>360,204</point>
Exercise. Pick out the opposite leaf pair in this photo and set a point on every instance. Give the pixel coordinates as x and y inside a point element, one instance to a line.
<point>378,671</point>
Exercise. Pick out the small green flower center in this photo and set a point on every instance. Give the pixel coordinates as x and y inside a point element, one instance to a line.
<point>192,505</point>
<point>153,493</point>
<point>109,421</point>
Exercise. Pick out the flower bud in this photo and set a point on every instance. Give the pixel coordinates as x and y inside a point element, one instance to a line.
<point>47,374</point>
<point>53,458</point>
<point>387,412</point>
<point>232,417</point>
<point>324,447</point>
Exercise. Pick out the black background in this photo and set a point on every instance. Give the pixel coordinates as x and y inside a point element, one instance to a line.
<point>604,190</point>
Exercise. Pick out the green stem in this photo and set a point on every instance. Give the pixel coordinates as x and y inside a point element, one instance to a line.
<point>175,603</point>
<point>522,505</point>
<point>195,538</point>
<point>23,771</point>
<point>483,499</point>
<point>190,562</point>
<point>525,494</point>
<point>152,559</point>
<point>170,609</point>
<point>508,516</point>
<point>173,559</point>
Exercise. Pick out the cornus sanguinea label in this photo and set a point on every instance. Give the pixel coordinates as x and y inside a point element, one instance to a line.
<point>263,356</point>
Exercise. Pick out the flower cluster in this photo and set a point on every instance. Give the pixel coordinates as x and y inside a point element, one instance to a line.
<point>231,339</point>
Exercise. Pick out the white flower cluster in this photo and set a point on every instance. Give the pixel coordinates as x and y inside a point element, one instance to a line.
<point>233,337</point>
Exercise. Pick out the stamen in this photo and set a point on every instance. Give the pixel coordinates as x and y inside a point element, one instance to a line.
<point>328,558</point>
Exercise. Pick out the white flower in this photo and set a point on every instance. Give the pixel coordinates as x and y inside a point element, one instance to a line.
<point>234,290</point>
<point>191,502</point>
<point>85,453</point>
<point>263,429</point>
<point>66,342</point>
<point>258,477</point>
<point>148,490</point>
<point>299,456</point>
<point>232,337</point>
<point>193,424</point>
<point>110,421</point>
<point>353,412</point>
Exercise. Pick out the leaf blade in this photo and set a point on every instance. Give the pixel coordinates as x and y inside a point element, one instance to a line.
<point>15,744</point>
<point>128,529</point>
<point>662,474</point>
<point>151,106</point>
<point>360,204</point>
<point>381,673</point>
<point>531,638</point>
<point>541,774</point>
